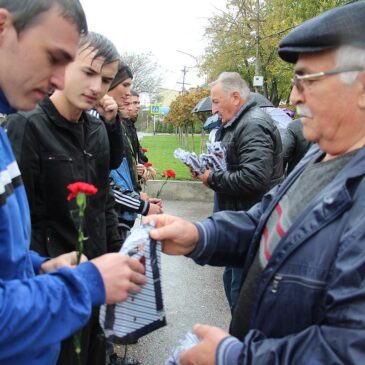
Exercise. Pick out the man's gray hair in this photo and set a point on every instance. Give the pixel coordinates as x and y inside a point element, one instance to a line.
<point>232,81</point>
<point>350,56</point>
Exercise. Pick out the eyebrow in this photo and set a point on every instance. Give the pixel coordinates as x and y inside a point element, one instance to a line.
<point>90,69</point>
<point>60,53</point>
<point>302,71</point>
<point>108,79</point>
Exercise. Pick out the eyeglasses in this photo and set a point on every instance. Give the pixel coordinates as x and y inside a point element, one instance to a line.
<point>299,80</point>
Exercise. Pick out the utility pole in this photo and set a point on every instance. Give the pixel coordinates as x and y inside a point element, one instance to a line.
<point>184,71</point>
<point>258,79</point>
<point>257,61</point>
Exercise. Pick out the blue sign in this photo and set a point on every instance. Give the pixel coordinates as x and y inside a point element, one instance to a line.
<point>155,109</point>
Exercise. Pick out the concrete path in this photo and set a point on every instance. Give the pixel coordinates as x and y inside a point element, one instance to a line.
<point>192,294</point>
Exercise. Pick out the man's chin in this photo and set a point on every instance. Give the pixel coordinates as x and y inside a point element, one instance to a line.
<point>26,104</point>
<point>309,135</point>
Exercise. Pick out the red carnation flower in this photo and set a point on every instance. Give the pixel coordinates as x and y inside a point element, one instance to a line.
<point>144,150</point>
<point>81,187</point>
<point>169,174</point>
<point>147,164</point>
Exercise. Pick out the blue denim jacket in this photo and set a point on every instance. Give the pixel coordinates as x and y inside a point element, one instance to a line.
<point>310,301</point>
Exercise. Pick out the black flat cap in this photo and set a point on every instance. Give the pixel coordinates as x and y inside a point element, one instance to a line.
<point>344,25</point>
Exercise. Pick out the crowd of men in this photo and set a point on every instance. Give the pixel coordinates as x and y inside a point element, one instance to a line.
<point>293,246</point>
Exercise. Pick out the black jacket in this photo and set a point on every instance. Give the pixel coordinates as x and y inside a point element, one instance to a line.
<point>53,153</point>
<point>295,146</point>
<point>254,159</point>
<point>136,146</point>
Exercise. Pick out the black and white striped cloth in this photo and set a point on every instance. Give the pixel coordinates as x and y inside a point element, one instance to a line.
<point>143,312</point>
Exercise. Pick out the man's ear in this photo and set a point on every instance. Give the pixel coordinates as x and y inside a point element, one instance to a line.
<point>361,97</point>
<point>5,22</point>
<point>236,97</point>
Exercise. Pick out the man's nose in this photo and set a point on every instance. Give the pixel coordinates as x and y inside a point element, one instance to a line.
<point>296,97</point>
<point>95,85</point>
<point>57,79</point>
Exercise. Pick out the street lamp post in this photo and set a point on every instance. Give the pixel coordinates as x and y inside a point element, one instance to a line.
<point>188,54</point>
<point>184,70</point>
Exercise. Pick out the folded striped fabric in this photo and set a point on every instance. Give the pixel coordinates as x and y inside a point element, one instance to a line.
<point>143,312</point>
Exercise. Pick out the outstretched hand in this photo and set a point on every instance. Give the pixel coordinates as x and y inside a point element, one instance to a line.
<point>178,236</point>
<point>204,353</point>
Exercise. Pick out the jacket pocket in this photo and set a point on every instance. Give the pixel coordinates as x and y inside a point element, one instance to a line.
<point>58,158</point>
<point>283,279</point>
<point>56,173</point>
<point>292,302</point>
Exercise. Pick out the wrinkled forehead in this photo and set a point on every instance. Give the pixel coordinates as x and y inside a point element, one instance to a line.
<point>217,92</point>
<point>315,62</point>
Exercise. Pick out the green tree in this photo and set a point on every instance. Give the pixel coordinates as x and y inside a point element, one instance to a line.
<point>245,25</point>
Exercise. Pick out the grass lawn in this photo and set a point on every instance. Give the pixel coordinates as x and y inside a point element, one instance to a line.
<point>160,154</point>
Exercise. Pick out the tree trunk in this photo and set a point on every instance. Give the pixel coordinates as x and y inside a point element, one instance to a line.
<point>186,138</point>
<point>202,141</point>
<point>180,135</point>
<point>192,138</point>
<point>274,93</point>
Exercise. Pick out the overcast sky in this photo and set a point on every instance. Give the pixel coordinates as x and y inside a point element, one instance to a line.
<point>158,26</point>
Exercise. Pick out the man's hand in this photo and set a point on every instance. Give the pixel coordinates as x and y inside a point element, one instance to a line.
<point>144,196</point>
<point>204,177</point>
<point>141,171</point>
<point>67,259</point>
<point>156,201</point>
<point>178,236</point>
<point>204,352</point>
<point>121,275</point>
<point>154,209</point>
<point>151,173</point>
<point>107,108</point>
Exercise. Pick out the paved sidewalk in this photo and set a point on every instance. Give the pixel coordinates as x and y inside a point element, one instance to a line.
<point>192,294</point>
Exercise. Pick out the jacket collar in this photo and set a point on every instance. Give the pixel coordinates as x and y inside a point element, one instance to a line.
<point>244,108</point>
<point>55,116</point>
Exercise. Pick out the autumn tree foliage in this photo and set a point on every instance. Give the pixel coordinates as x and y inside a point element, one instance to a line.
<point>236,31</point>
<point>182,118</point>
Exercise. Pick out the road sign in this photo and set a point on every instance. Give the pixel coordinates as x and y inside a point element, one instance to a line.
<point>155,109</point>
<point>258,80</point>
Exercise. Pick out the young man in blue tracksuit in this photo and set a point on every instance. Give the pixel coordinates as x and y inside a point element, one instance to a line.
<point>43,301</point>
<point>302,298</point>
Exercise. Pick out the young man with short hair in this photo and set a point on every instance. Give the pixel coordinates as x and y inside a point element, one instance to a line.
<point>124,180</point>
<point>39,38</point>
<point>59,143</point>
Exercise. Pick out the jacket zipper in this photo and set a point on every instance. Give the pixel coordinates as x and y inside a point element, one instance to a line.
<point>60,159</point>
<point>294,279</point>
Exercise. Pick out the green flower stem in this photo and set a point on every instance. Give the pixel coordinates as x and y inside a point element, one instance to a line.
<point>160,190</point>
<point>81,203</point>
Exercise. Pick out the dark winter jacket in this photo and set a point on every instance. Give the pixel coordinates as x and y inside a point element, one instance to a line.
<point>309,306</point>
<point>52,153</point>
<point>295,145</point>
<point>133,137</point>
<point>254,159</point>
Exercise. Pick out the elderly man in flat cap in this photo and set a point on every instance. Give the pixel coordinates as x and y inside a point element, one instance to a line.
<point>302,248</point>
